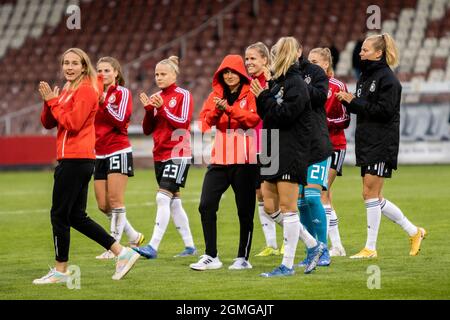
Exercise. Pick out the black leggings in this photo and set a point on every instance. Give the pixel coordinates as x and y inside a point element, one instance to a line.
<point>217,179</point>
<point>70,191</point>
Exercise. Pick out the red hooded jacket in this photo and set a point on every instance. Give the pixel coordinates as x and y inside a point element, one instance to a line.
<point>238,145</point>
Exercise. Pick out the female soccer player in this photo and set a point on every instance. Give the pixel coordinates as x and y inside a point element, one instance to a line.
<point>377,106</point>
<point>286,112</point>
<point>312,212</point>
<point>73,113</point>
<point>114,158</point>
<point>337,119</point>
<point>257,61</point>
<point>167,117</point>
<point>231,108</point>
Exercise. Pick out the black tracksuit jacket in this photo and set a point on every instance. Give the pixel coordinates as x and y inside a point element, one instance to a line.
<point>317,82</point>
<point>286,106</point>
<point>377,106</point>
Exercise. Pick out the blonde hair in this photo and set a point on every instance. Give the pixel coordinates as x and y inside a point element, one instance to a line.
<point>262,49</point>
<point>116,66</point>
<point>284,53</point>
<point>173,62</point>
<point>89,70</point>
<point>325,53</point>
<point>386,44</point>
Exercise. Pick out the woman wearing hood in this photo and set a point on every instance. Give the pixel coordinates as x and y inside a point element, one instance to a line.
<point>231,108</point>
<point>377,138</point>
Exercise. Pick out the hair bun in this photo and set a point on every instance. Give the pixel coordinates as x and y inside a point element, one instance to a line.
<point>174,59</point>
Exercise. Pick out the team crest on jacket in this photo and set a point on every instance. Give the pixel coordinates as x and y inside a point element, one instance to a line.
<point>279,96</point>
<point>173,102</point>
<point>243,103</point>
<point>330,92</point>
<point>112,99</point>
<point>372,86</point>
<point>308,79</point>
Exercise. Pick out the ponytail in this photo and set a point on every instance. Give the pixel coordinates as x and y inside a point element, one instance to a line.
<point>386,44</point>
<point>284,54</point>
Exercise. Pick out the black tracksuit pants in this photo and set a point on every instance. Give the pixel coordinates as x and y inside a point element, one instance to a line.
<point>70,191</point>
<point>242,178</point>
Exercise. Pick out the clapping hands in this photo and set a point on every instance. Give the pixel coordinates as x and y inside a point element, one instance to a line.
<point>46,92</point>
<point>155,100</point>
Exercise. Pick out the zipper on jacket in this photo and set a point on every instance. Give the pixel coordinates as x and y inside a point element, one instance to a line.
<point>245,148</point>
<point>64,144</point>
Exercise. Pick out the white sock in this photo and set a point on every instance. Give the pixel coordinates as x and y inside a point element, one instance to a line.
<point>392,212</point>
<point>307,238</point>
<point>291,229</point>
<point>327,209</point>
<point>162,219</point>
<point>118,220</point>
<point>373,222</point>
<point>268,227</point>
<point>333,231</point>
<point>277,216</point>
<point>181,221</point>
<point>132,234</point>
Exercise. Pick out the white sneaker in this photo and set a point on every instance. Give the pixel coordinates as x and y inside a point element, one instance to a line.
<point>206,263</point>
<point>125,262</point>
<point>106,255</point>
<point>52,276</point>
<point>240,264</point>
<point>337,251</point>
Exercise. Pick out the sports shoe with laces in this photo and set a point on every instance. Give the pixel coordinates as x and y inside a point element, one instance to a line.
<point>268,251</point>
<point>304,262</point>
<point>337,251</point>
<point>124,263</point>
<point>280,271</point>
<point>240,264</point>
<point>146,251</point>
<point>314,254</point>
<point>365,254</point>
<point>416,240</point>
<point>324,260</point>
<point>187,252</point>
<point>139,240</point>
<point>52,276</point>
<point>106,255</point>
<point>206,263</point>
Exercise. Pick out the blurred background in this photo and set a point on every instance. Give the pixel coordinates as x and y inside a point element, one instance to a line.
<point>139,33</point>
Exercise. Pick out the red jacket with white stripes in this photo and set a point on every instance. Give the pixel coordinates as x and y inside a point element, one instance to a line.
<point>73,112</point>
<point>112,120</point>
<point>165,122</point>
<point>337,116</point>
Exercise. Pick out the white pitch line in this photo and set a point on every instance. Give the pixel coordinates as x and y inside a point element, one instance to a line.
<point>91,208</point>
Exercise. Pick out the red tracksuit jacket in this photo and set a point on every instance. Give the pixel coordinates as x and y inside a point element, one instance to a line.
<point>175,113</point>
<point>73,112</point>
<point>337,116</point>
<point>112,120</point>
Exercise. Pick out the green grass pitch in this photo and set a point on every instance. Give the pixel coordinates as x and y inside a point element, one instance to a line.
<point>422,192</point>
